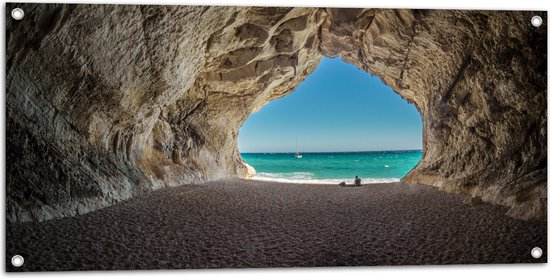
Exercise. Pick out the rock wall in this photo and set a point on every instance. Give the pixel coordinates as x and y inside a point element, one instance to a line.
<point>108,101</point>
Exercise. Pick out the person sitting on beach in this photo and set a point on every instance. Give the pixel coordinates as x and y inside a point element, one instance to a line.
<point>357,181</point>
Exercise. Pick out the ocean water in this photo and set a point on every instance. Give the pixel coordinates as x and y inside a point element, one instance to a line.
<point>371,167</point>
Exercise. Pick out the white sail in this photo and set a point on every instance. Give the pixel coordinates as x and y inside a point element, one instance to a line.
<point>297,154</point>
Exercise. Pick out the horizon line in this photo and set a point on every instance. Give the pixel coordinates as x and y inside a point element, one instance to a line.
<point>336,151</point>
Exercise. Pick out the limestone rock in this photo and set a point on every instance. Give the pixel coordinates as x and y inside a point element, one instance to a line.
<point>250,171</point>
<point>105,102</point>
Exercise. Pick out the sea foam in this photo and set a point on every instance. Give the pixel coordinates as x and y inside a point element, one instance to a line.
<point>306,177</point>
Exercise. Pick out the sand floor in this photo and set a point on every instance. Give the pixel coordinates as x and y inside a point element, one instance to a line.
<point>238,223</point>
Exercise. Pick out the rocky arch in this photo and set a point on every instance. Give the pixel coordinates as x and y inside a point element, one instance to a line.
<point>108,101</point>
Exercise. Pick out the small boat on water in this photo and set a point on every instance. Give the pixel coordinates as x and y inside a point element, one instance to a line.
<point>297,154</point>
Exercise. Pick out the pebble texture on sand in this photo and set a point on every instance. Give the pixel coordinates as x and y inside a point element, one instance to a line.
<point>244,223</point>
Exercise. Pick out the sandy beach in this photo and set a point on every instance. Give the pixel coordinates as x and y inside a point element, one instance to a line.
<point>246,223</point>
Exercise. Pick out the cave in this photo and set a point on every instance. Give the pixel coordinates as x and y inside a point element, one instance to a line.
<point>106,102</point>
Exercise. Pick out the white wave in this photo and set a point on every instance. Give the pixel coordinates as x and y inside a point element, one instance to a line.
<point>306,177</point>
<point>386,166</point>
<point>291,175</point>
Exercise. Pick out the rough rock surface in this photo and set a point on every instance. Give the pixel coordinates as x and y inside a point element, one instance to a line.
<point>108,101</point>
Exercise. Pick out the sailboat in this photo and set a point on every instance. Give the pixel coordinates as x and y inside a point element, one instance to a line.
<point>297,154</point>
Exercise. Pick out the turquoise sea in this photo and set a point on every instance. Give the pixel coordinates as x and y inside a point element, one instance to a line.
<point>333,167</point>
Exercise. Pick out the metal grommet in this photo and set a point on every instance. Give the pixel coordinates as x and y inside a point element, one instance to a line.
<point>17,260</point>
<point>536,252</point>
<point>536,21</point>
<point>17,14</point>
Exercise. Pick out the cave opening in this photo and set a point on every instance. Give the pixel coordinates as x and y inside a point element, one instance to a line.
<point>340,122</point>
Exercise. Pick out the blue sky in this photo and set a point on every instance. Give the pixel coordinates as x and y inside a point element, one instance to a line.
<point>338,107</point>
